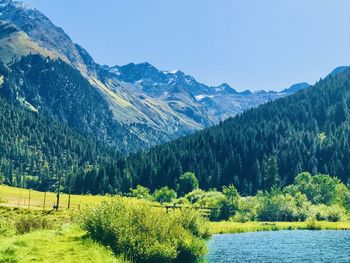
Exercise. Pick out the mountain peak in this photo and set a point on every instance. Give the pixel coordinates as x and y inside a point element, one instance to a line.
<point>338,70</point>
<point>227,88</point>
<point>16,4</point>
<point>296,87</point>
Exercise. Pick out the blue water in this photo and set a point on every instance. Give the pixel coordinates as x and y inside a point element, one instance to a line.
<point>281,246</point>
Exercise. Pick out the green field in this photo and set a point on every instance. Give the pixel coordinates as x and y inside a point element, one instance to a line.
<point>66,244</point>
<point>38,235</point>
<point>11,196</point>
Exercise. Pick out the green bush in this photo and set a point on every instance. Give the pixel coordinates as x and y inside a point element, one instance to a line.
<point>320,189</point>
<point>312,224</point>
<point>319,212</point>
<point>140,192</point>
<point>187,183</point>
<point>147,234</point>
<point>212,199</point>
<point>247,210</point>
<point>335,213</point>
<point>282,207</point>
<point>28,223</point>
<point>6,227</point>
<point>229,205</point>
<point>164,195</point>
<point>332,213</point>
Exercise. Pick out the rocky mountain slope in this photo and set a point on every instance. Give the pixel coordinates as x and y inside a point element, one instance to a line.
<point>139,106</point>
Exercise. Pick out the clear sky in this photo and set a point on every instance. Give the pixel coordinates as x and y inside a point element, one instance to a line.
<point>250,44</point>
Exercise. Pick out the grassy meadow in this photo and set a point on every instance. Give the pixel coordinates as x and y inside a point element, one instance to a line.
<point>113,229</point>
<point>67,244</point>
<point>12,196</point>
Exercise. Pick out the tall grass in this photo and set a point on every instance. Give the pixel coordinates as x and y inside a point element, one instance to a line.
<point>146,234</point>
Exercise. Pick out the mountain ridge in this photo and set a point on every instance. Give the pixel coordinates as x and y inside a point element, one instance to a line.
<point>153,105</point>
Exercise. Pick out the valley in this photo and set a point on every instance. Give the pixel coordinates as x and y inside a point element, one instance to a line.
<point>133,163</point>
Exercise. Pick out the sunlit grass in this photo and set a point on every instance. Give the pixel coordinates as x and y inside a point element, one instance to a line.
<point>13,196</point>
<point>234,227</point>
<point>68,244</point>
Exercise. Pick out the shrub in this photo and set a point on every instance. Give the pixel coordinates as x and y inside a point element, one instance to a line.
<point>312,224</point>
<point>229,204</point>
<point>6,227</point>
<point>28,223</point>
<point>335,213</point>
<point>164,195</point>
<point>146,234</point>
<point>187,183</point>
<point>282,207</point>
<point>332,213</point>
<point>319,189</point>
<point>247,210</point>
<point>140,192</point>
<point>319,212</point>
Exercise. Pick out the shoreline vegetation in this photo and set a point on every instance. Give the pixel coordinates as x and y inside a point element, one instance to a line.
<point>226,227</point>
<point>38,235</point>
<point>163,225</point>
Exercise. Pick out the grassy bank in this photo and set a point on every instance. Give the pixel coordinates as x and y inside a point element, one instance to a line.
<point>28,235</point>
<point>233,227</point>
<point>66,244</point>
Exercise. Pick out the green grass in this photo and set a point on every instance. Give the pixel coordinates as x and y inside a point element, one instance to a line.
<point>233,227</point>
<point>12,196</point>
<point>67,244</point>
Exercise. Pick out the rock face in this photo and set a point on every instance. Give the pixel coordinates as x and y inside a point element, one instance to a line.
<point>131,107</point>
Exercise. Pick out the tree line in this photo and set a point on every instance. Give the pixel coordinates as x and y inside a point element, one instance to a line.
<point>266,146</point>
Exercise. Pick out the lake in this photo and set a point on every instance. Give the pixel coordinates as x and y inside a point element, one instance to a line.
<point>281,246</point>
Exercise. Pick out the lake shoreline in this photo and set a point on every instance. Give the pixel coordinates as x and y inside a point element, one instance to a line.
<point>227,227</point>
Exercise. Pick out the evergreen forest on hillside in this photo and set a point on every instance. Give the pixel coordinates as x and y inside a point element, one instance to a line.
<point>263,147</point>
<point>266,146</point>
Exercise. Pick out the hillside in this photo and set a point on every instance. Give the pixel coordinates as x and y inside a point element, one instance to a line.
<point>135,106</point>
<point>36,151</point>
<point>308,131</point>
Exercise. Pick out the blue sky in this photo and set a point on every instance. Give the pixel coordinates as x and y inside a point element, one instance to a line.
<point>250,44</point>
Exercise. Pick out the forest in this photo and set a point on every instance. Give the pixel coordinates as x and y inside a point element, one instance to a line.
<point>260,148</point>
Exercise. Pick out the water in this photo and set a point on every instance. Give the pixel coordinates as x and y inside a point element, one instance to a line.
<point>281,246</point>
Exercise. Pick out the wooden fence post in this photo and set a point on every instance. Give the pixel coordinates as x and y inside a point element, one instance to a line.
<point>44,201</point>
<point>30,192</point>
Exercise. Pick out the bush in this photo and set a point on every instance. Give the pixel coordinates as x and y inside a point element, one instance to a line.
<point>164,195</point>
<point>312,224</point>
<point>319,212</point>
<point>210,199</point>
<point>6,227</point>
<point>335,213</point>
<point>282,207</point>
<point>187,183</point>
<point>147,234</point>
<point>319,189</point>
<point>229,205</point>
<point>332,213</point>
<point>247,210</point>
<point>28,223</point>
<point>140,192</point>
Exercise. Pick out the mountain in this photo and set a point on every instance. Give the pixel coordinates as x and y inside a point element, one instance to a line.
<point>265,146</point>
<point>338,70</point>
<point>36,150</point>
<point>130,107</point>
<point>296,87</point>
